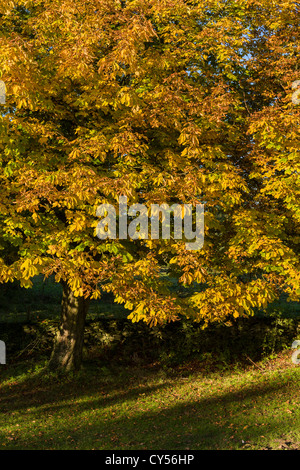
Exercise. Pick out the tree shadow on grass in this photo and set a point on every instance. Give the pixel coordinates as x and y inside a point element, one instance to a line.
<point>50,389</point>
<point>128,415</point>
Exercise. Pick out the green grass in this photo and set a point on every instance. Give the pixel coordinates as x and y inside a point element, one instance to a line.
<point>112,407</point>
<point>134,405</point>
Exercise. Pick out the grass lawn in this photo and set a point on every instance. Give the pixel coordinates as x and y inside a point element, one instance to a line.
<point>131,408</point>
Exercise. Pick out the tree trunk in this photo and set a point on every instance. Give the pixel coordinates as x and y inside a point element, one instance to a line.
<point>67,352</point>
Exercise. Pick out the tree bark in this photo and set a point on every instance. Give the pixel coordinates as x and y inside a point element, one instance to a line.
<point>67,351</point>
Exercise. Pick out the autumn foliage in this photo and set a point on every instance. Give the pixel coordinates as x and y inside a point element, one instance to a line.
<point>164,101</point>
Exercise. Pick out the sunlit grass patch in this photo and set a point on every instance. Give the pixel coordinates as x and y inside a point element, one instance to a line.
<point>134,408</point>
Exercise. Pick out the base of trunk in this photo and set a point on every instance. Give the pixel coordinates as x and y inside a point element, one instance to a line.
<point>67,352</point>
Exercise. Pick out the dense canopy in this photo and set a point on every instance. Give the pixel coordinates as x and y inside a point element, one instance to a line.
<point>163,101</point>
